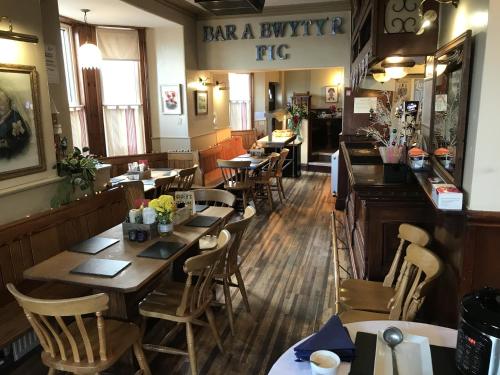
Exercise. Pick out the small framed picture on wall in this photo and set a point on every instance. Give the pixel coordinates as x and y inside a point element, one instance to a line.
<point>201,102</point>
<point>331,94</point>
<point>171,99</point>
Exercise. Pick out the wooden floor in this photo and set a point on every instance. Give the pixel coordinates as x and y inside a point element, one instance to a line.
<point>288,271</point>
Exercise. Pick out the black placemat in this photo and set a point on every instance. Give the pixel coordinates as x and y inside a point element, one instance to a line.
<point>200,207</point>
<point>101,267</point>
<point>443,359</point>
<point>162,250</point>
<point>203,221</point>
<point>93,245</point>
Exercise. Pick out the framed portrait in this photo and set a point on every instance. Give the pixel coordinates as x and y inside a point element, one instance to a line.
<point>201,102</point>
<point>21,146</point>
<point>331,94</point>
<point>171,99</point>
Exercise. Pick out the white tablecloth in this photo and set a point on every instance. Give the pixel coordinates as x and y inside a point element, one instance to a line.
<point>440,336</point>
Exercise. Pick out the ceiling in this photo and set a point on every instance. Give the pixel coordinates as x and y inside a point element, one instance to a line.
<point>276,3</point>
<point>110,12</point>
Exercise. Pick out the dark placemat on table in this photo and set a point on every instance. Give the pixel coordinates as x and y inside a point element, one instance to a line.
<point>443,359</point>
<point>162,250</point>
<point>101,267</point>
<point>200,207</point>
<point>93,245</point>
<point>203,221</point>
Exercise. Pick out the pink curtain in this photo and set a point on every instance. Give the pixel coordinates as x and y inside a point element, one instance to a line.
<point>131,131</point>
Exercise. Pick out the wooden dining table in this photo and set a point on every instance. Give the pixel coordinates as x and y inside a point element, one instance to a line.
<point>149,183</point>
<point>129,286</point>
<point>255,161</point>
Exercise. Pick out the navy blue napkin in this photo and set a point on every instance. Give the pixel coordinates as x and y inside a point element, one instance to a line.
<point>333,337</point>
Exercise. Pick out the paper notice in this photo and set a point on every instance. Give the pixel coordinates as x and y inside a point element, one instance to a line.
<point>51,64</point>
<point>363,105</point>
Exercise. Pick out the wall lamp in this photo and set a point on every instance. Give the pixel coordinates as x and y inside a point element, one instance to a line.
<point>18,37</point>
<point>205,82</point>
<point>430,16</point>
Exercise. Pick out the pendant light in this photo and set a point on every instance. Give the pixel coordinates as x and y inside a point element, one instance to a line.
<point>89,55</point>
<point>397,70</point>
<point>380,76</point>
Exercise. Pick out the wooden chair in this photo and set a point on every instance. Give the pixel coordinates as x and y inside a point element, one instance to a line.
<point>185,178</point>
<point>186,303</point>
<point>376,296</point>
<point>263,180</point>
<point>214,197</point>
<point>423,268</point>
<point>278,176</point>
<point>134,190</point>
<point>236,178</point>
<point>231,266</point>
<point>163,185</point>
<point>88,345</point>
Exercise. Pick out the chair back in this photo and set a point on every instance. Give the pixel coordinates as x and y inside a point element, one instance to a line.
<point>185,178</point>
<point>200,269</point>
<point>270,169</point>
<point>279,169</point>
<point>163,185</point>
<point>214,197</point>
<point>408,234</point>
<point>235,173</point>
<point>423,268</point>
<point>134,190</point>
<point>237,230</point>
<point>56,339</point>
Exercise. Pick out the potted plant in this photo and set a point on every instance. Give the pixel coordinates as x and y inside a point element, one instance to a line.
<point>79,172</point>
<point>296,113</point>
<point>165,208</point>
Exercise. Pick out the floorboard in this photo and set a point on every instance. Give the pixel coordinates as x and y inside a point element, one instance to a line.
<point>288,272</point>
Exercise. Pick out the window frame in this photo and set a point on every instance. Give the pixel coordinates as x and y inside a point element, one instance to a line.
<point>73,63</point>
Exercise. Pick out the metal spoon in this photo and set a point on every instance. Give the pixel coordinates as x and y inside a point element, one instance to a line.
<point>393,337</point>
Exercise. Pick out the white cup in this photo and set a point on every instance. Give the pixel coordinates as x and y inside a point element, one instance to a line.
<point>327,362</point>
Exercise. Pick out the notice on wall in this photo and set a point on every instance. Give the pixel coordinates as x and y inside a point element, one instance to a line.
<point>51,64</point>
<point>441,103</point>
<point>363,105</point>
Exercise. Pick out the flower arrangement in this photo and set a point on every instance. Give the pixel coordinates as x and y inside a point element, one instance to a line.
<point>296,114</point>
<point>79,171</point>
<point>165,208</point>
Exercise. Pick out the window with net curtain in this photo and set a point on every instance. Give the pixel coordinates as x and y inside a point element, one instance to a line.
<point>76,108</point>
<point>121,91</point>
<point>240,92</point>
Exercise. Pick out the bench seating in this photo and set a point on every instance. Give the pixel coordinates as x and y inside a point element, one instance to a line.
<point>31,240</point>
<point>226,150</point>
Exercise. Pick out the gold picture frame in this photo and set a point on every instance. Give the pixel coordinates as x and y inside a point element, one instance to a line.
<point>21,138</point>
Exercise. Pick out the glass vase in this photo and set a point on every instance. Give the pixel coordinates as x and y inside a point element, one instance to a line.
<point>164,228</point>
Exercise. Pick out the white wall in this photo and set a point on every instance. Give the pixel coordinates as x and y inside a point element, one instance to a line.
<point>481,171</point>
<point>305,52</point>
<point>32,193</point>
<point>166,66</point>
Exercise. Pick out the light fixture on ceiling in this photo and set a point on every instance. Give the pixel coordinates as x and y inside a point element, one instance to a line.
<point>430,16</point>
<point>380,76</point>
<point>18,37</point>
<point>397,70</point>
<point>89,55</point>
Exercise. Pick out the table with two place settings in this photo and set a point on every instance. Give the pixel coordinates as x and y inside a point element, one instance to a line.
<point>439,336</point>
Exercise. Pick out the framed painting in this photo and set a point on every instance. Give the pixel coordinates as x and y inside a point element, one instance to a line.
<point>201,102</point>
<point>21,145</point>
<point>331,94</point>
<point>171,99</point>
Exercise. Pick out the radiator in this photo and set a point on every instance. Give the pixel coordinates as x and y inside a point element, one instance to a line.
<point>335,172</point>
<point>23,345</point>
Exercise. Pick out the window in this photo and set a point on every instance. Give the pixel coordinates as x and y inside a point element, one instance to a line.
<point>240,101</point>
<point>77,110</point>
<point>121,91</point>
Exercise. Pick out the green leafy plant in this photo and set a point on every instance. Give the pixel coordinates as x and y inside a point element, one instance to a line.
<point>79,172</point>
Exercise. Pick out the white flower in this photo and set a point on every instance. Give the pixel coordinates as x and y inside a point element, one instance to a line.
<point>17,128</point>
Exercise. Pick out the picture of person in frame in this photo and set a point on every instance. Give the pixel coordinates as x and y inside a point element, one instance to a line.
<point>14,131</point>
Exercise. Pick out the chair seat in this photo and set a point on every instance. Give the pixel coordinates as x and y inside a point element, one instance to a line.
<point>365,295</point>
<point>120,336</point>
<point>163,302</point>
<point>353,316</point>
